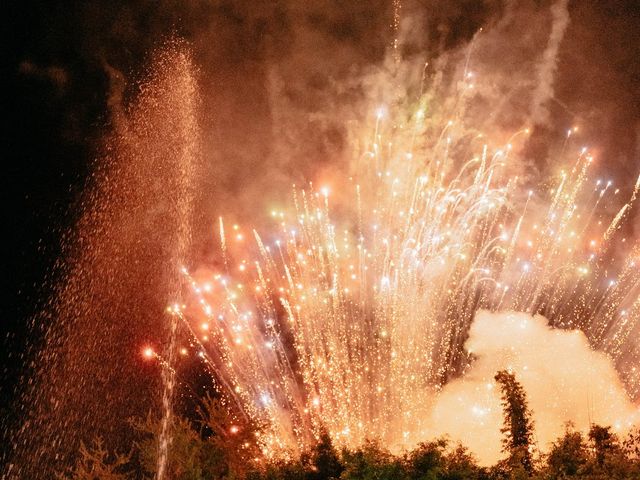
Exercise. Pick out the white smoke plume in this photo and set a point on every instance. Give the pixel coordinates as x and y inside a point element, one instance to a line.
<point>564,379</point>
<point>549,63</point>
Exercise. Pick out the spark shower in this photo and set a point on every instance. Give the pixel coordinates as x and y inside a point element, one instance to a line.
<point>376,304</point>
<point>354,319</point>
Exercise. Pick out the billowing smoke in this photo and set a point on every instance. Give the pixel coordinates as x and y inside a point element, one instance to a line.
<point>564,378</point>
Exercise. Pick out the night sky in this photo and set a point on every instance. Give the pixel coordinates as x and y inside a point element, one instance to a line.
<point>69,65</point>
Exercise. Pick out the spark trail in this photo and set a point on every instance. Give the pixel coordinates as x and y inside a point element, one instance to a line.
<point>352,319</point>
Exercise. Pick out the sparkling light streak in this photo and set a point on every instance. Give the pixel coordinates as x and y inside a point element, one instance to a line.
<point>353,319</point>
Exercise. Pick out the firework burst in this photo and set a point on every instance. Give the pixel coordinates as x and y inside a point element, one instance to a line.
<point>352,318</point>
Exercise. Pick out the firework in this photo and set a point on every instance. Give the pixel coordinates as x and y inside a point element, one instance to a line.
<point>352,319</point>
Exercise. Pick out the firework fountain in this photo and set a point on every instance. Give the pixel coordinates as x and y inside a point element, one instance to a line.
<point>134,219</point>
<point>352,318</point>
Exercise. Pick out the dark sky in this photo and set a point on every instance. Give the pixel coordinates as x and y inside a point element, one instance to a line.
<point>69,65</point>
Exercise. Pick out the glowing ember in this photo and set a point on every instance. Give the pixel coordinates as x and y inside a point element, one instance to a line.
<point>148,352</point>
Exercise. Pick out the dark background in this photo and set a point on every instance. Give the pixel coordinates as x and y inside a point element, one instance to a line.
<point>68,65</point>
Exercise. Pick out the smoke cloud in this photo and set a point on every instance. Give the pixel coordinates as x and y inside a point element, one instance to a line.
<point>564,378</point>
<point>547,68</point>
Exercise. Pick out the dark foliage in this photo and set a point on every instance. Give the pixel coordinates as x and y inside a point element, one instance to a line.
<point>95,463</point>
<point>219,446</point>
<point>518,425</point>
<point>325,460</point>
<point>568,456</point>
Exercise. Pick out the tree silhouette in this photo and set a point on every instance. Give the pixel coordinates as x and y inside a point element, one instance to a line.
<point>568,455</point>
<point>604,442</point>
<point>324,460</point>
<point>517,423</point>
<point>223,447</point>
<point>95,462</point>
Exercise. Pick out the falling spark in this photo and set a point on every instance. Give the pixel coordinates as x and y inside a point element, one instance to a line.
<point>351,319</point>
